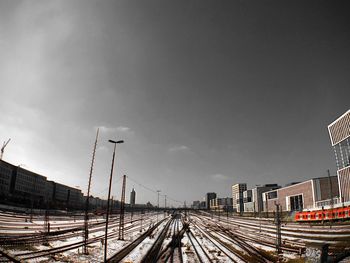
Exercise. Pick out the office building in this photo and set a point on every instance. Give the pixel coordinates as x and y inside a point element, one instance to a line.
<point>309,195</point>
<point>209,197</point>
<point>221,204</point>
<point>196,204</point>
<point>252,199</point>
<point>27,184</point>
<point>5,178</point>
<point>237,197</point>
<point>339,132</point>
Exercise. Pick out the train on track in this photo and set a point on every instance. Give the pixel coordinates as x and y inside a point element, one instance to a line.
<point>339,213</point>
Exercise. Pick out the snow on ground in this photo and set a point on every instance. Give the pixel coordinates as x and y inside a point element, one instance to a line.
<point>96,250</point>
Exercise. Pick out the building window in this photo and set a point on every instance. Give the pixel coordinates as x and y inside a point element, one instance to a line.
<point>342,153</point>
<point>296,203</point>
<point>272,195</point>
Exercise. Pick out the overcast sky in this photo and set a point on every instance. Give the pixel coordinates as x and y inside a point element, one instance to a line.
<point>205,93</point>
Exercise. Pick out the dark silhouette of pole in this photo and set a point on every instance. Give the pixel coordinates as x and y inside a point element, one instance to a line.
<point>331,197</point>
<point>267,205</point>
<point>109,194</point>
<point>141,212</point>
<point>278,229</point>
<point>226,206</point>
<point>164,206</point>
<point>122,210</point>
<point>158,191</point>
<point>46,225</point>
<point>86,217</point>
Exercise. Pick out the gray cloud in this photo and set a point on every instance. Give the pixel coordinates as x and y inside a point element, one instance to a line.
<point>178,148</point>
<point>263,79</point>
<point>220,177</point>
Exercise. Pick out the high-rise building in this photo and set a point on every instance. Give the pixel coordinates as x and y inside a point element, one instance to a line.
<point>339,132</point>
<point>132,197</point>
<point>210,196</point>
<point>237,197</point>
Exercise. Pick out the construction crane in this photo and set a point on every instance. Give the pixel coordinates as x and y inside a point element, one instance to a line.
<point>3,148</point>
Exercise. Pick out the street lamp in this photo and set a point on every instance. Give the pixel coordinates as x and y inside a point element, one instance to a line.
<point>109,194</point>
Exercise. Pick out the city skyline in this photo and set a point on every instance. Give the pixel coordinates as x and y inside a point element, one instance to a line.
<point>204,95</point>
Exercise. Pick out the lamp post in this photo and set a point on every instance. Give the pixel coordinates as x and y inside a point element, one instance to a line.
<point>109,194</point>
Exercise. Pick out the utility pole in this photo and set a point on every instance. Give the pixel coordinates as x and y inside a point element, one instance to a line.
<point>46,224</point>
<point>111,208</point>
<point>254,210</point>
<point>226,209</point>
<point>3,148</point>
<point>164,205</point>
<point>158,191</point>
<point>278,229</point>
<point>141,212</point>
<point>331,197</point>
<point>86,217</point>
<point>267,205</point>
<point>122,210</point>
<point>132,212</point>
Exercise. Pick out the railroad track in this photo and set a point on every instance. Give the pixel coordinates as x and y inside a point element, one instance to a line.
<point>222,247</point>
<point>38,238</point>
<point>195,243</point>
<point>75,245</point>
<point>252,253</point>
<point>172,250</point>
<point>294,238</point>
<point>153,252</point>
<point>129,248</point>
<point>256,254</point>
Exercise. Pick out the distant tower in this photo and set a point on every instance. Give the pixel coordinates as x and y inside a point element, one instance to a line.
<point>132,197</point>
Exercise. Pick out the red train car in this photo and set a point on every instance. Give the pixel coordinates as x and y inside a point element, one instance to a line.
<point>339,213</point>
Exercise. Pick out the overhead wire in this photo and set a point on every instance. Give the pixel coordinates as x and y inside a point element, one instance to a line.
<point>152,190</point>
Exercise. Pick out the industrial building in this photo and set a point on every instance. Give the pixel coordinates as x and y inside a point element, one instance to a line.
<point>253,199</point>
<point>339,132</point>
<point>311,194</point>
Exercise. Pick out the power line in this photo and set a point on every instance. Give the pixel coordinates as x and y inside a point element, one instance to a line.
<point>115,182</point>
<point>153,191</point>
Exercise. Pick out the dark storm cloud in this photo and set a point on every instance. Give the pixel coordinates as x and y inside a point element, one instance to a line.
<point>205,93</point>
